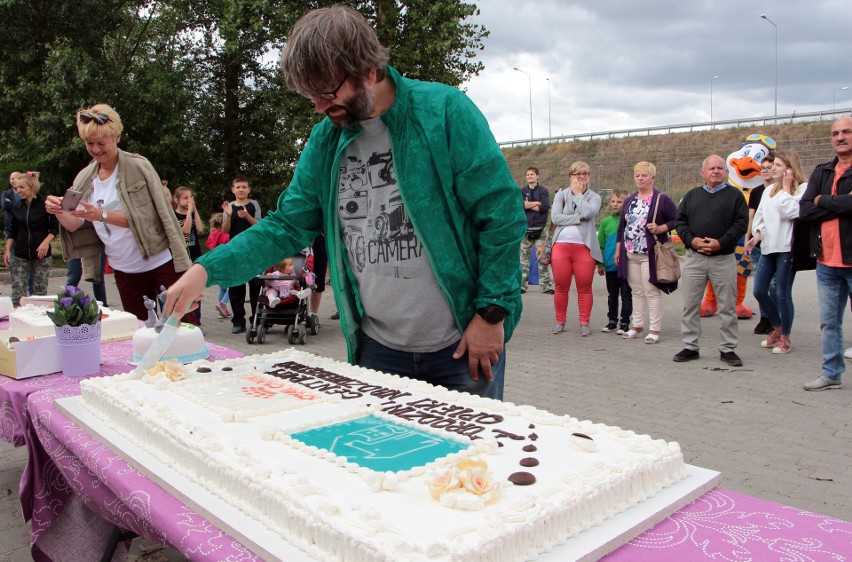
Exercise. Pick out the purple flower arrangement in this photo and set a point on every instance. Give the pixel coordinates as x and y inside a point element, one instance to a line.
<point>73,307</point>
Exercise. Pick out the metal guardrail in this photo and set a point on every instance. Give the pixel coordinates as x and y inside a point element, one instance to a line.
<point>685,128</point>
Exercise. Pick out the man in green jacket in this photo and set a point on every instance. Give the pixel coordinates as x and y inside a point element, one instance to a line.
<point>422,218</point>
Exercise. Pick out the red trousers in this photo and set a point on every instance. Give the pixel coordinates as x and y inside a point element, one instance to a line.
<point>572,260</point>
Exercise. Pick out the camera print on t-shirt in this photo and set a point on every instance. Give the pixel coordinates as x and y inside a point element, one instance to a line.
<point>377,230</point>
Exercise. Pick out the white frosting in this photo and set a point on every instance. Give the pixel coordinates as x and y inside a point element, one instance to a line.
<point>188,345</point>
<point>337,510</point>
<point>32,320</point>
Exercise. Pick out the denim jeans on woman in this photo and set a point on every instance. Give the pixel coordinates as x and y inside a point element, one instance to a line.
<point>436,367</point>
<point>834,285</point>
<point>755,263</point>
<point>779,310</point>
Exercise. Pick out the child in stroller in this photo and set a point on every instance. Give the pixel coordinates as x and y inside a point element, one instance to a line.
<point>284,300</point>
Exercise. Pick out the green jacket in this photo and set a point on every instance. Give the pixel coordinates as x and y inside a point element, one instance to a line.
<point>456,188</point>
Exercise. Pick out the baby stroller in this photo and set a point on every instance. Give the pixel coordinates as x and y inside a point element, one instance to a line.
<point>292,311</point>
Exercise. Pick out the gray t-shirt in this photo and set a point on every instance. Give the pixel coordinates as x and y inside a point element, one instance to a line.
<point>403,304</point>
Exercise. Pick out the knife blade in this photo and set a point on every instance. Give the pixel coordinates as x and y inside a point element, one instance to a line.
<point>161,344</point>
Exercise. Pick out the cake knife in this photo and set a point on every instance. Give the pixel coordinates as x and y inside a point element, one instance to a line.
<point>164,340</point>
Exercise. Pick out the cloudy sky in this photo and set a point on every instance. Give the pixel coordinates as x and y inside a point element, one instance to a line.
<point>616,64</point>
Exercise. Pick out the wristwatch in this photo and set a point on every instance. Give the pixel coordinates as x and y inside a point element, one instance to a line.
<point>103,215</point>
<point>492,314</point>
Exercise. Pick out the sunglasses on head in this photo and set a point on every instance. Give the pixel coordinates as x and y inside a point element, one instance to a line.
<point>762,139</point>
<point>86,118</point>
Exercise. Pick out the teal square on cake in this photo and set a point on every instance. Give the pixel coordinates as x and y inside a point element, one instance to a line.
<point>380,445</point>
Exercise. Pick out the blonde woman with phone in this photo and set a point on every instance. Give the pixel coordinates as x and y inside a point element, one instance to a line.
<point>122,211</point>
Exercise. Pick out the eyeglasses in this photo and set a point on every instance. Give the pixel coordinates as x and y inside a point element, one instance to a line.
<point>580,174</point>
<point>86,118</point>
<point>762,139</point>
<point>766,168</point>
<point>327,96</point>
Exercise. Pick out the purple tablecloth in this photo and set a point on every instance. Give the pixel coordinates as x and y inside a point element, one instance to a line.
<point>69,468</point>
<point>14,392</point>
<point>67,464</point>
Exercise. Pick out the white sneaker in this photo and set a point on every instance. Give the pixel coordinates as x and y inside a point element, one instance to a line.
<point>274,302</point>
<point>848,353</point>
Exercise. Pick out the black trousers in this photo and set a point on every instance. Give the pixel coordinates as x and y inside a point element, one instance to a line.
<point>616,287</point>
<point>238,298</point>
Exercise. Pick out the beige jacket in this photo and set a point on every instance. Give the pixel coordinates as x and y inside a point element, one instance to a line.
<point>150,217</point>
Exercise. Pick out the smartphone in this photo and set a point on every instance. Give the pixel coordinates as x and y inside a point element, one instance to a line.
<point>71,199</point>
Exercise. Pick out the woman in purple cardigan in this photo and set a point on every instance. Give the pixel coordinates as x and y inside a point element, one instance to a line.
<point>634,253</point>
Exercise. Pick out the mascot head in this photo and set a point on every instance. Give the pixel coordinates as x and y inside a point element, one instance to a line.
<point>744,164</point>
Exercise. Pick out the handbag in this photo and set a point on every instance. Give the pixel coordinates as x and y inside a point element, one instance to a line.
<point>542,253</point>
<point>666,260</point>
<point>533,232</point>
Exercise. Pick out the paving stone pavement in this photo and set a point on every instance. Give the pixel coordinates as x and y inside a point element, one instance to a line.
<point>754,424</point>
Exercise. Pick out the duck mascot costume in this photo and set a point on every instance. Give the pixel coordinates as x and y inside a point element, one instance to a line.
<point>744,174</point>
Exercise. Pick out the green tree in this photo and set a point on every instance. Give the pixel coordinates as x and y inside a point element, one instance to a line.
<point>195,81</point>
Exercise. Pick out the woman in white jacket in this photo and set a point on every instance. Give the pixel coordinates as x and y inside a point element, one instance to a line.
<point>773,227</point>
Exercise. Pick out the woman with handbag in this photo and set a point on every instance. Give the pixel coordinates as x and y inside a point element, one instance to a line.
<point>773,227</point>
<point>646,219</point>
<point>575,250</point>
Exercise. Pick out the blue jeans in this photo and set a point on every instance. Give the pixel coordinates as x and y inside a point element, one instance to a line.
<point>75,273</point>
<point>779,310</point>
<point>834,285</point>
<point>756,254</point>
<point>436,367</point>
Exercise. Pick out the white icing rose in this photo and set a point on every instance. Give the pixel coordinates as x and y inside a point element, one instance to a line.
<point>444,481</point>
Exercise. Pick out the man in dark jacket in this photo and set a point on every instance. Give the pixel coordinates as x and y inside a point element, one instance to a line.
<point>537,209</point>
<point>827,204</point>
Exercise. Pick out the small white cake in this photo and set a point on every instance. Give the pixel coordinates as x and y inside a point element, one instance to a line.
<point>188,345</point>
<point>32,320</point>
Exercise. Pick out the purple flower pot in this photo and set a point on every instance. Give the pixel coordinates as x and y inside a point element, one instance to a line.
<point>79,349</point>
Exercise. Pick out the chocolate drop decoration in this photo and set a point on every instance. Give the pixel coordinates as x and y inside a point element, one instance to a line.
<point>530,448</point>
<point>582,436</point>
<point>529,462</point>
<point>204,369</point>
<point>499,443</point>
<point>532,426</point>
<point>227,369</point>
<point>533,437</point>
<point>522,479</point>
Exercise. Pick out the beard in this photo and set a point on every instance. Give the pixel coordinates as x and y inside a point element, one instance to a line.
<point>357,108</point>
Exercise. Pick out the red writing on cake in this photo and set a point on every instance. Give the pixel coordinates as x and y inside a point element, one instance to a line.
<point>268,389</point>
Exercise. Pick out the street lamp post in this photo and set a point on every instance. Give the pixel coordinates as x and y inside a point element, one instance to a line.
<point>763,16</point>
<point>549,130</point>
<point>529,81</point>
<point>711,100</point>
<point>835,92</point>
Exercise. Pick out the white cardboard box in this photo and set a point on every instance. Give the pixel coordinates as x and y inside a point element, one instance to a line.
<point>29,357</point>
